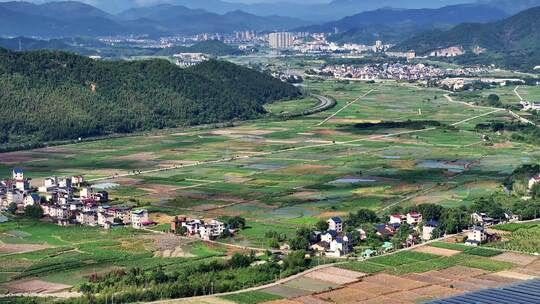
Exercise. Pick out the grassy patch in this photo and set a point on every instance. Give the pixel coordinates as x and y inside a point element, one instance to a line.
<point>402,258</point>
<point>512,227</point>
<point>483,252</point>
<point>201,250</point>
<point>524,238</point>
<point>252,297</point>
<point>451,246</point>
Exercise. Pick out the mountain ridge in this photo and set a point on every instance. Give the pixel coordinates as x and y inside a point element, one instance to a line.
<point>393,25</point>
<point>70,18</point>
<point>513,33</point>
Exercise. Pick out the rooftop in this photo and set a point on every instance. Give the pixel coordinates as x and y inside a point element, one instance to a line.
<point>336,219</point>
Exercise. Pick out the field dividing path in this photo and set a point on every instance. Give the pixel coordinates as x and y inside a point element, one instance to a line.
<point>345,106</point>
<point>514,114</point>
<point>522,119</point>
<point>475,117</point>
<point>517,93</point>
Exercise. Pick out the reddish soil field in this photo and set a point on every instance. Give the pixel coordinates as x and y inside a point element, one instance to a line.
<point>21,248</point>
<point>345,295</point>
<point>437,251</point>
<point>516,258</point>
<point>35,286</point>
<point>336,276</point>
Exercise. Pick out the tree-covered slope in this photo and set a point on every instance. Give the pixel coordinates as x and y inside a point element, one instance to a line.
<point>55,95</point>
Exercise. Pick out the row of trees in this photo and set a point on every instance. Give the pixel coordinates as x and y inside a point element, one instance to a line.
<point>192,279</point>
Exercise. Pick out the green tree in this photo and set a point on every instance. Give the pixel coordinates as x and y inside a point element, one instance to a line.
<point>494,100</point>
<point>321,225</point>
<point>12,208</point>
<point>33,211</point>
<point>295,259</point>
<point>454,219</point>
<point>181,230</point>
<point>362,216</point>
<point>240,260</point>
<point>237,222</point>
<point>298,243</point>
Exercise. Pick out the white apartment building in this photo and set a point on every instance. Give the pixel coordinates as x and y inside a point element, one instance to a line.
<point>281,40</point>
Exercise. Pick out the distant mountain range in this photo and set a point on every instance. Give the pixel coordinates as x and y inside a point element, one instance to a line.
<point>518,32</point>
<point>71,18</point>
<point>64,19</point>
<point>395,25</point>
<point>313,11</point>
<point>305,9</point>
<point>514,41</point>
<point>319,11</point>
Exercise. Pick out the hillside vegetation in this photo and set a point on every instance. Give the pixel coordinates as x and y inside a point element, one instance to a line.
<point>55,95</point>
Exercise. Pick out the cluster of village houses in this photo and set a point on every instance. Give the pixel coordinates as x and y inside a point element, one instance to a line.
<point>57,197</point>
<point>66,201</point>
<point>334,242</point>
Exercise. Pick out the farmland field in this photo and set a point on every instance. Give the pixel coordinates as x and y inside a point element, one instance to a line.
<point>523,237</point>
<point>278,174</point>
<point>75,253</point>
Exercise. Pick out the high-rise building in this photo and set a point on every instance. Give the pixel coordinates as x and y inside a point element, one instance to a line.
<point>281,40</point>
<point>378,46</point>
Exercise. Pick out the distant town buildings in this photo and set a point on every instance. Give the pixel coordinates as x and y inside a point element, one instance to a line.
<point>452,51</point>
<point>451,78</point>
<point>281,40</point>
<point>190,59</point>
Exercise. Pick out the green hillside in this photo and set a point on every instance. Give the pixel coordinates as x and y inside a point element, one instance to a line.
<point>55,95</point>
<point>514,37</point>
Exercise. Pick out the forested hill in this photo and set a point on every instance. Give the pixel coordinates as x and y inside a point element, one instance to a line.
<point>47,95</point>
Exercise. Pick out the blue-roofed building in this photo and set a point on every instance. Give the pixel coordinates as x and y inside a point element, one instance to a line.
<point>335,223</point>
<point>17,171</point>
<point>20,183</point>
<point>329,236</point>
<point>527,292</point>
